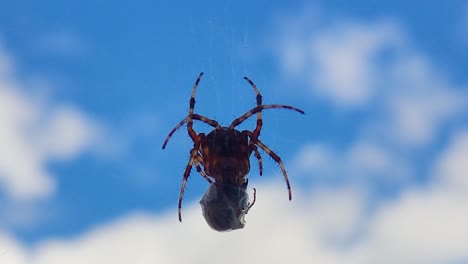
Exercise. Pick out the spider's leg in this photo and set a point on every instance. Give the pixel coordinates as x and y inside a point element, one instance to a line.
<point>197,162</point>
<point>193,154</point>
<point>190,130</point>
<point>254,148</point>
<point>274,156</point>
<point>181,123</point>
<point>206,120</point>
<point>202,173</point>
<point>253,202</point>
<point>194,90</point>
<point>258,128</point>
<point>260,108</point>
<point>192,133</point>
<point>189,118</point>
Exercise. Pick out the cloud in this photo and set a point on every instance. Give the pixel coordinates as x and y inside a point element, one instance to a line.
<point>364,162</point>
<point>11,251</point>
<point>277,231</point>
<point>451,171</point>
<point>406,101</point>
<point>332,225</point>
<point>33,131</point>
<point>339,62</point>
<point>421,227</point>
<point>420,101</point>
<point>427,224</point>
<point>370,66</point>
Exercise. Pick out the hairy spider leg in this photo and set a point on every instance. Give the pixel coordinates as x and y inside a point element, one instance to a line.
<point>255,141</point>
<point>193,135</point>
<point>253,202</point>
<point>197,162</point>
<point>258,128</point>
<point>260,108</point>
<point>274,156</point>
<point>201,118</point>
<point>192,160</point>
<point>254,148</point>
<point>190,130</point>
<point>259,125</point>
<point>189,119</point>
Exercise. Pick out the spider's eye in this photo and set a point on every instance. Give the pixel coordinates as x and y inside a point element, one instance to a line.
<point>224,206</point>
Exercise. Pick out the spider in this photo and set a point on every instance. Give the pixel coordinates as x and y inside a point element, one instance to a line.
<point>225,152</point>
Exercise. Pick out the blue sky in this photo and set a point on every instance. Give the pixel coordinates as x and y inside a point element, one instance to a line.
<point>89,91</point>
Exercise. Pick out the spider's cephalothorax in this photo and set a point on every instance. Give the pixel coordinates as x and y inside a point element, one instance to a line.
<point>223,155</point>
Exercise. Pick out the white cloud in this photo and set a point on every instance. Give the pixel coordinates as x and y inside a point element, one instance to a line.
<point>34,131</point>
<point>420,102</point>
<point>346,58</point>
<point>371,66</point>
<point>451,171</point>
<point>363,162</point>
<point>426,225</point>
<point>339,62</point>
<point>11,251</point>
<point>408,101</point>
<point>66,132</point>
<point>21,171</point>
<point>422,225</point>
<point>277,231</point>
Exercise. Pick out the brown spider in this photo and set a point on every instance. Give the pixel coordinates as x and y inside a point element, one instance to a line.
<point>225,152</point>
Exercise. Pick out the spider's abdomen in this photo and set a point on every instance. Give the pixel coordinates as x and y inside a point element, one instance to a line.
<point>228,153</point>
